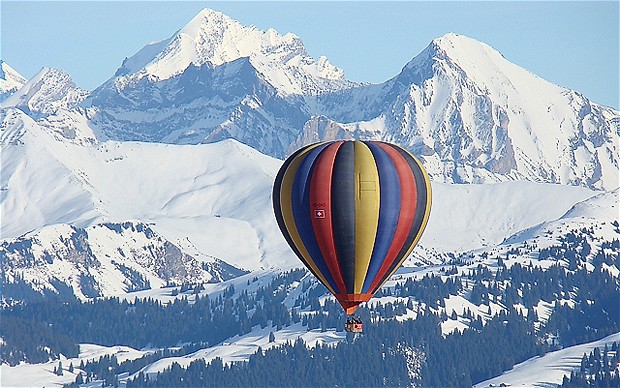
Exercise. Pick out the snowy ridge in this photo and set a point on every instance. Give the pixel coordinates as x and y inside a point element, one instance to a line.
<point>473,216</point>
<point>599,209</point>
<point>197,196</point>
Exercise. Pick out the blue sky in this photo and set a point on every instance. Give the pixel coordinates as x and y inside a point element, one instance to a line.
<point>571,43</point>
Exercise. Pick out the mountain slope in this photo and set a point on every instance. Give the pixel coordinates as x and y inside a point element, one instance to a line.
<point>209,199</point>
<point>200,105</point>
<point>549,369</point>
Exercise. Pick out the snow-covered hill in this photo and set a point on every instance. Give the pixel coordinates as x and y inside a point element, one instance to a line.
<point>101,260</point>
<point>209,199</point>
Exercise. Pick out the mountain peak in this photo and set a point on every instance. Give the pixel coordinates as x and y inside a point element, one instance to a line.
<point>10,80</point>
<point>455,48</point>
<point>208,14</point>
<point>475,63</point>
<point>210,22</point>
<point>49,90</point>
<point>462,47</point>
<point>217,39</point>
<point>212,38</point>
<point>452,39</point>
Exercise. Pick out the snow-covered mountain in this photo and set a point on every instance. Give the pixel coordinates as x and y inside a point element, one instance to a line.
<point>215,39</point>
<point>49,91</point>
<point>467,111</point>
<point>10,80</point>
<point>470,115</point>
<point>473,116</point>
<point>215,79</point>
<point>200,105</point>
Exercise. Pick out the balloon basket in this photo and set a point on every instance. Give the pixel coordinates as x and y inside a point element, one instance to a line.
<point>353,325</point>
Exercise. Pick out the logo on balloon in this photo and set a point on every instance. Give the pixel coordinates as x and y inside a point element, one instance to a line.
<point>319,214</point>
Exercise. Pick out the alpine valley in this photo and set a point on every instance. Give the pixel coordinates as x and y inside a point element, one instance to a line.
<point>139,245</point>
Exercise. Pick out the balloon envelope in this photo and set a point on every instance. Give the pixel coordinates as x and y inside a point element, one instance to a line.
<point>352,211</point>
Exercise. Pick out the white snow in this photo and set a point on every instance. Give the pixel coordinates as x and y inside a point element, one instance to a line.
<point>239,348</point>
<point>548,370</point>
<point>41,375</point>
<point>465,217</point>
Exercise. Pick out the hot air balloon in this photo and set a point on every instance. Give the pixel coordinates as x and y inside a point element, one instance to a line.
<point>352,211</point>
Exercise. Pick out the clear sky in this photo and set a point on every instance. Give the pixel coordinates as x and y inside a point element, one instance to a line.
<point>571,43</point>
